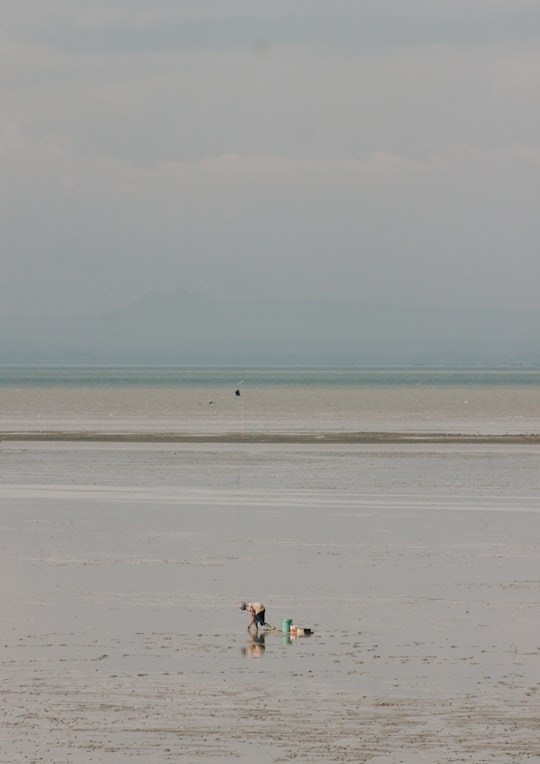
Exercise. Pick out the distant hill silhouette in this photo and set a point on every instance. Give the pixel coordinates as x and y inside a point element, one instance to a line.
<point>183,328</point>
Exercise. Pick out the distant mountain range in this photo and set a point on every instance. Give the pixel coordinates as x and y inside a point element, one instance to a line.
<point>182,328</point>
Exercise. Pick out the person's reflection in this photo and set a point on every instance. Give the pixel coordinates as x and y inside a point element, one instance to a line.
<point>256,648</point>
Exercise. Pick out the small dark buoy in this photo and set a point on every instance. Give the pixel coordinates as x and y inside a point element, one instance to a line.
<point>237,392</point>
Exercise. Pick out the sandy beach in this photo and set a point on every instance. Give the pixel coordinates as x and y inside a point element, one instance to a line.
<point>268,437</point>
<point>121,640</point>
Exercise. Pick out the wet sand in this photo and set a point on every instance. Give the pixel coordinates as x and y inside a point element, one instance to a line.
<point>121,642</point>
<point>325,437</point>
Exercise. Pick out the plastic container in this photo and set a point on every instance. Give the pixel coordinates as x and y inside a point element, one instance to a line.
<point>286,625</point>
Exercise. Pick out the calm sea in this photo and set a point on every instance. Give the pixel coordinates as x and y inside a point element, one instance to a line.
<point>220,400</point>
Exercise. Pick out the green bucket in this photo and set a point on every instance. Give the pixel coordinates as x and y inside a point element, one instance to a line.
<point>286,625</point>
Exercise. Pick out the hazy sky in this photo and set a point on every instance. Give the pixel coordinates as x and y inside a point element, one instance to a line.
<point>376,150</point>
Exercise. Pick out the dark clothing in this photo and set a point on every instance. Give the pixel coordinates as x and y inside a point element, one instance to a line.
<point>259,618</point>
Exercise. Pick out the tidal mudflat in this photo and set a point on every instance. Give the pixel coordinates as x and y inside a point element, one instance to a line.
<point>416,566</point>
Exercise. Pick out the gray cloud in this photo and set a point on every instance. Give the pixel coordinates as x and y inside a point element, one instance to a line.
<point>350,150</point>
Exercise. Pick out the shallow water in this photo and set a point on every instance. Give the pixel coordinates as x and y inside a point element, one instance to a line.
<point>270,400</point>
<point>416,566</point>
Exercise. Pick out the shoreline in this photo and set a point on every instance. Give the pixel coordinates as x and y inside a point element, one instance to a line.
<point>321,438</point>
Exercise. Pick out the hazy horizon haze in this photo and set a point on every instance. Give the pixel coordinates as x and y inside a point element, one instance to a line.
<point>349,152</point>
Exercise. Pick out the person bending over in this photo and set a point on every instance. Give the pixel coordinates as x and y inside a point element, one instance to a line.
<point>257,612</point>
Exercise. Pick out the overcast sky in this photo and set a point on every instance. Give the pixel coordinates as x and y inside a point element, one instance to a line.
<point>386,151</point>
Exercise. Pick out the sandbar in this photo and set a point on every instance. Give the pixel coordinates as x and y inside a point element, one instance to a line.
<point>269,437</point>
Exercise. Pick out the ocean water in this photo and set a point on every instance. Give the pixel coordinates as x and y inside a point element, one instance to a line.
<point>131,400</point>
